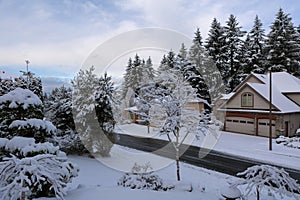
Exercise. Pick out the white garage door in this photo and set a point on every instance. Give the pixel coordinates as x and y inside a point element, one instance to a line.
<point>240,125</point>
<point>263,127</point>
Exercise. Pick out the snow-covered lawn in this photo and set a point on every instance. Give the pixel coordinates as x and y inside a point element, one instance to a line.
<point>238,144</point>
<point>98,181</point>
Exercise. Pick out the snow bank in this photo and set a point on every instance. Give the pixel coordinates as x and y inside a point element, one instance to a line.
<point>19,96</point>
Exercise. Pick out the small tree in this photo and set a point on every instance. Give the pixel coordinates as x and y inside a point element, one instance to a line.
<point>21,114</point>
<point>86,87</point>
<point>167,98</point>
<point>258,177</point>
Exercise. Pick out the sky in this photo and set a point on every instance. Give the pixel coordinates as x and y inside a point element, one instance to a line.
<point>57,36</point>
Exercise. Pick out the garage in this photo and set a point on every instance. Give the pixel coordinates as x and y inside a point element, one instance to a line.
<point>240,125</point>
<point>263,127</point>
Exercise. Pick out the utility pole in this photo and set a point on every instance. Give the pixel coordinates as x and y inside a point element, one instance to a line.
<point>270,110</point>
<point>27,73</point>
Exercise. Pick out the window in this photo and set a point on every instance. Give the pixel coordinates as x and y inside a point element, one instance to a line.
<point>247,100</point>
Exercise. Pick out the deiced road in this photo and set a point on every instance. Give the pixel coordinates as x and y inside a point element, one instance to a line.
<point>214,160</point>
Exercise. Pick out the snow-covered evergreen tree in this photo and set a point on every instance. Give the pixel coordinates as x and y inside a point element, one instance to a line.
<point>265,176</point>
<point>215,43</point>
<point>58,109</point>
<point>7,85</point>
<point>232,52</point>
<point>104,100</point>
<point>253,51</point>
<point>282,45</point>
<point>21,114</point>
<point>31,170</point>
<point>86,85</point>
<point>34,83</point>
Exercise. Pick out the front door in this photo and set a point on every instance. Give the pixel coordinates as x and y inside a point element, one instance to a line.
<point>286,124</point>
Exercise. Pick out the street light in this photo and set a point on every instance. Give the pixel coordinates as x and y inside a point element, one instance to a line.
<point>270,110</point>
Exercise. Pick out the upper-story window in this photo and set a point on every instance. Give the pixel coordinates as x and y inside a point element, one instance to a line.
<point>247,99</point>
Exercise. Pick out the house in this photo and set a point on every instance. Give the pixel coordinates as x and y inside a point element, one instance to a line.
<point>198,104</point>
<point>246,109</point>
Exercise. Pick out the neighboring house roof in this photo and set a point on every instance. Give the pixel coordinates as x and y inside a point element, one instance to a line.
<point>199,100</point>
<point>282,82</point>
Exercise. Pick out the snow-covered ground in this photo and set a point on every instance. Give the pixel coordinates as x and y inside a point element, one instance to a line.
<point>98,181</point>
<point>252,147</point>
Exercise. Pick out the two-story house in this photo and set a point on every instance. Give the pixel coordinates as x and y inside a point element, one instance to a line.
<point>247,108</point>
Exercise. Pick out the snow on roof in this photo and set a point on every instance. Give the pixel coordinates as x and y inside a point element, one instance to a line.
<point>282,82</point>
<point>19,96</point>
<point>199,100</point>
<point>7,75</point>
<point>227,96</point>
<point>133,108</point>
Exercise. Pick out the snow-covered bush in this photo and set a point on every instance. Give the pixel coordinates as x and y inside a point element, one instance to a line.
<point>21,114</point>
<point>141,179</point>
<point>30,170</point>
<point>292,142</point>
<point>35,128</point>
<point>261,176</point>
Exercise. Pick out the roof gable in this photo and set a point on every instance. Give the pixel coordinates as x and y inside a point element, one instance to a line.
<point>282,82</point>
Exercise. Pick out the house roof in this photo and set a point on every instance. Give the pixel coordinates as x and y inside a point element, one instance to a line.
<point>282,82</point>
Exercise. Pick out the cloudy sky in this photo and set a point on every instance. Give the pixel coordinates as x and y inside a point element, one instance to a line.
<point>58,35</point>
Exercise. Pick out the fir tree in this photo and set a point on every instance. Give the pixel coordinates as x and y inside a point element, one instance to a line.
<point>34,83</point>
<point>215,45</point>
<point>196,71</point>
<point>232,51</point>
<point>282,45</point>
<point>21,114</point>
<point>86,85</point>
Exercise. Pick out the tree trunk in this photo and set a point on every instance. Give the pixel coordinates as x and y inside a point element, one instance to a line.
<point>257,193</point>
<point>178,172</point>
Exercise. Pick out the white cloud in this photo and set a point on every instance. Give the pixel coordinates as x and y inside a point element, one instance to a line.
<point>63,34</point>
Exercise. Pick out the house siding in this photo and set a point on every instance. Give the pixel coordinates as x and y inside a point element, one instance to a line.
<point>258,101</point>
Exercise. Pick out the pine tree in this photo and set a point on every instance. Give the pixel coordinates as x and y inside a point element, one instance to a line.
<point>86,85</point>
<point>21,114</point>
<point>282,45</point>
<point>58,109</point>
<point>148,72</point>
<point>256,45</point>
<point>133,77</point>
<point>196,71</point>
<point>215,45</point>
<point>104,100</point>
<point>232,51</point>
<point>34,83</point>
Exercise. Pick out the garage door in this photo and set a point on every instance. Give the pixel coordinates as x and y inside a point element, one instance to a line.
<point>263,127</point>
<point>240,125</point>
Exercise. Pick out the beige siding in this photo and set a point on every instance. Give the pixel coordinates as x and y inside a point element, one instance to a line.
<point>259,102</point>
<point>253,79</point>
<point>294,97</point>
<point>293,123</point>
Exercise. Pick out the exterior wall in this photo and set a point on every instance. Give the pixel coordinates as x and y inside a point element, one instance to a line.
<point>195,106</point>
<point>250,123</point>
<point>293,123</point>
<point>258,101</point>
<point>294,97</point>
<point>253,79</point>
